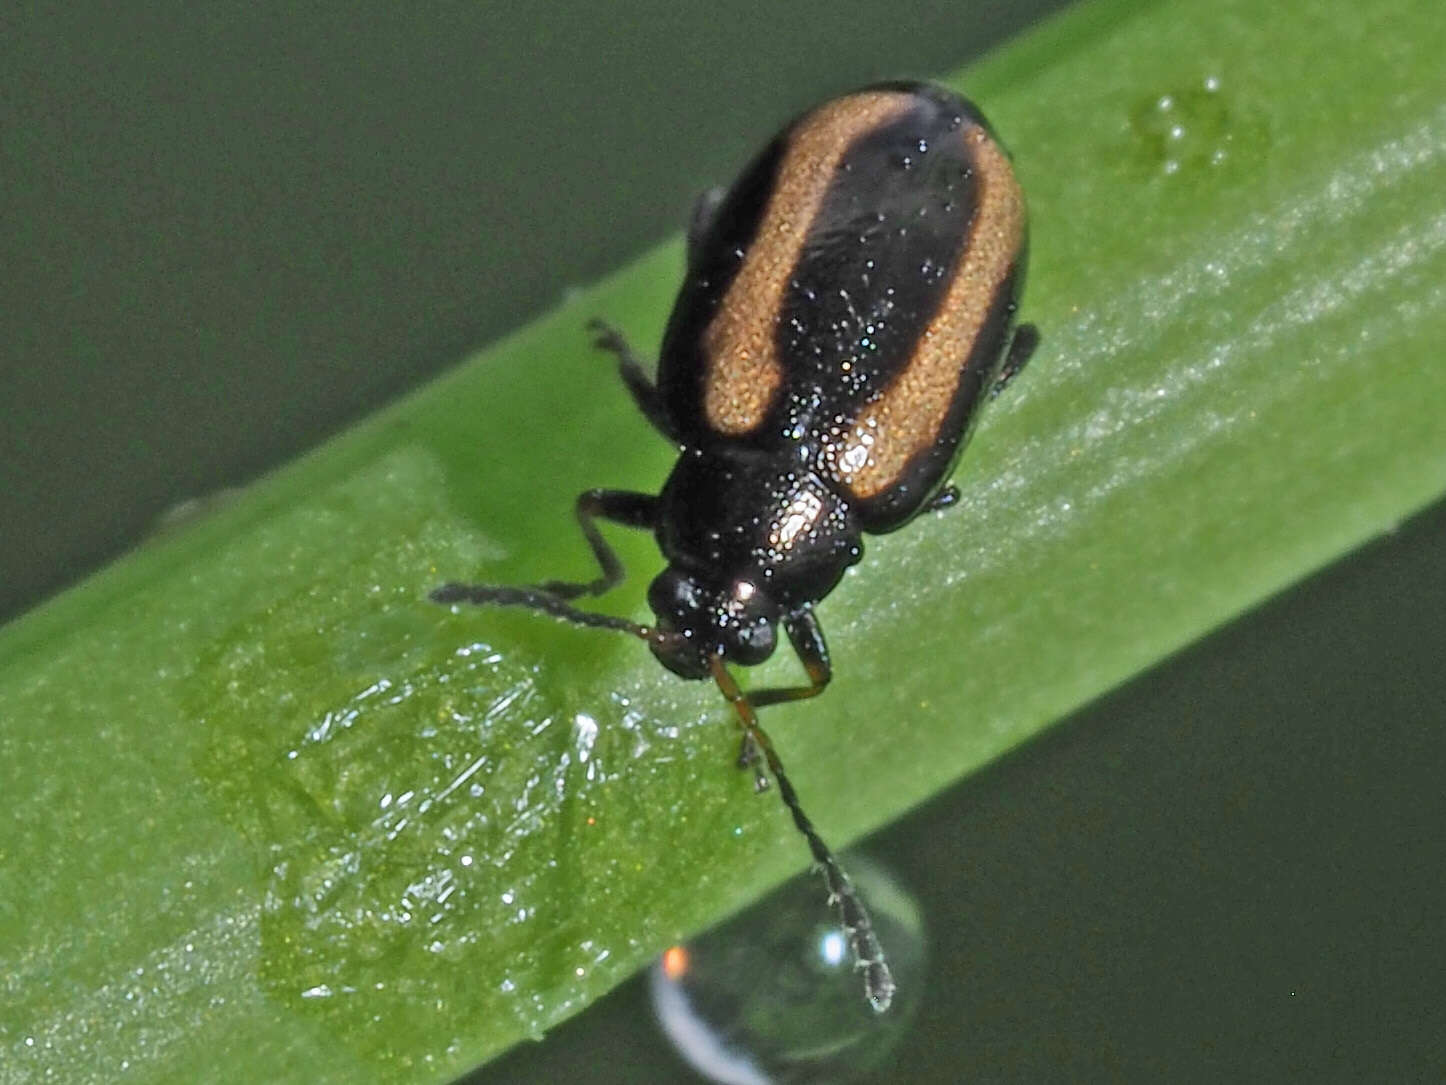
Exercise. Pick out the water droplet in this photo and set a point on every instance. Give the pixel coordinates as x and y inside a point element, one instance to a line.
<point>1193,127</point>
<point>772,995</point>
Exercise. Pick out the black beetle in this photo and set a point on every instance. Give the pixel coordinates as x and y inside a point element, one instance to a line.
<point>848,303</point>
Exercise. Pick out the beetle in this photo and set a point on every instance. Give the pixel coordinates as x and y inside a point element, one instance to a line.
<point>848,304</point>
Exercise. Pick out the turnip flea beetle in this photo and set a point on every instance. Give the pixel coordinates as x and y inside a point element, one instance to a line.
<point>848,302</point>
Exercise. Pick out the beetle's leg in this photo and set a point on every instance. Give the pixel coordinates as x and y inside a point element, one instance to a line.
<point>806,636</point>
<point>1021,349</point>
<point>620,507</point>
<point>644,391</point>
<point>705,211</point>
<point>945,498</point>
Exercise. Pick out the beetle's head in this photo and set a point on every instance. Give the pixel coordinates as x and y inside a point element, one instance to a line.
<point>735,620</point>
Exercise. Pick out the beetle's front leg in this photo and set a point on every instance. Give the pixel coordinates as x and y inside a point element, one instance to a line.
<point>618,506</point>
<point>806,636</point>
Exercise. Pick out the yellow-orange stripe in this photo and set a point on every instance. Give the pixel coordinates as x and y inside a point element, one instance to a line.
<point>744,371</point>
<point>906,418</point>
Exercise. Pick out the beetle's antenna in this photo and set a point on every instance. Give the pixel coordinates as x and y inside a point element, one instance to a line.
<point>857,924</point>
<point>537,599</point>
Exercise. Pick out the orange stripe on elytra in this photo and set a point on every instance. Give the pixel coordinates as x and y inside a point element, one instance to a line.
<point>743,369</point>
<point>907,417</point>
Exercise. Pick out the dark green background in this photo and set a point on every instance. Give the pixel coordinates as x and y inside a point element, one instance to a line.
<point>229,231</point>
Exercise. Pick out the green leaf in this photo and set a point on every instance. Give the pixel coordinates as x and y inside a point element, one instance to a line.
<point>270,809</point>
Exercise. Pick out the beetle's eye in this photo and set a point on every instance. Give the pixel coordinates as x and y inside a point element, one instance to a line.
<point>677,601</point>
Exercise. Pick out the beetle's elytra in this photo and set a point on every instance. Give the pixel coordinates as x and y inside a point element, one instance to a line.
<point>848,303</point>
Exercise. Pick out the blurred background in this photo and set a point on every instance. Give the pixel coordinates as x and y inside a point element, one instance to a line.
<point>230,230</point>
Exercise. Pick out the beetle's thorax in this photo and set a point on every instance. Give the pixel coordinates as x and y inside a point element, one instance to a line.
<point>748,539</point>
<point>736,515</point>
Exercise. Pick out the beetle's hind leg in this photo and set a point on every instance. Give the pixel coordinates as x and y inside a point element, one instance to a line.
<point>1021,349</point>
<point>644,391</point>
<point>946,498</point>
<point>618,506</point>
